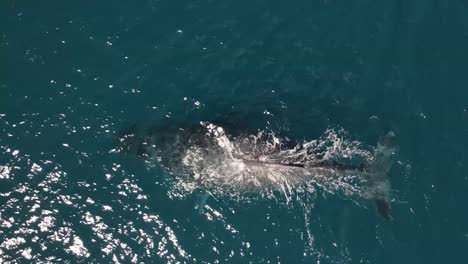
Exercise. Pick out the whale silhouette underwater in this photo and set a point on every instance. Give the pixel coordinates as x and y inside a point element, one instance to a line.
<point>224,162</point>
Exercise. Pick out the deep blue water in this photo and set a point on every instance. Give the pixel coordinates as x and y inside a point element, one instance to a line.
<point>72,75</point>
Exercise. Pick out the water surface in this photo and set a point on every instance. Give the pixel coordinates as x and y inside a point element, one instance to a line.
<point>73,75</point>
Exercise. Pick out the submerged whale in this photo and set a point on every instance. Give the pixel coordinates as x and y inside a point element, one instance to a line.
<point>224,162</point>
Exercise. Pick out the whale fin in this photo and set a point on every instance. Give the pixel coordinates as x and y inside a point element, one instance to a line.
<point>201,201</point>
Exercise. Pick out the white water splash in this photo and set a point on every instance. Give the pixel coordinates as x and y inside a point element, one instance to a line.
<point>237,167</point>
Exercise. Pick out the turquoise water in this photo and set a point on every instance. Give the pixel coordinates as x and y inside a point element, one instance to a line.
<point>73,75</point>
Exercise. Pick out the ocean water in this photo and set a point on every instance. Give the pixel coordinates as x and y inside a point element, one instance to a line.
<point>74,75</point>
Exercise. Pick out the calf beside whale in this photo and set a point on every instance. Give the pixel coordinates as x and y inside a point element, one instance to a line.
<point>208,157</point>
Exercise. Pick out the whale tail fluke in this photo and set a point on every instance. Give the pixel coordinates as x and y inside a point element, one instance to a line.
<point>383,208</point>
<point>384,157</point>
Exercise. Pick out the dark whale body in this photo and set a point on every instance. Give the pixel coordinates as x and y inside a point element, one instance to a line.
<point>169,145</point>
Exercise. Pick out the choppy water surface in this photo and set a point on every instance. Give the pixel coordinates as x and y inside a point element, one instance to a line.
<point>332,76</point>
